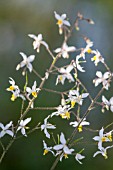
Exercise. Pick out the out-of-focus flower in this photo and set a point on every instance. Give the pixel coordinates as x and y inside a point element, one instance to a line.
<point>97,57</point>
<point>38,40</point>
<point>108,104</point>
<point>79,157</point>
<point>102,78</point>
<point>64,50</point>
<point>87,49</point>
<point>77,63</point>
<point>26,62</point>
<point>5,129</point>
<point>75,97</point>
<point>65,74</point>
<point>22,126</point>
<point>61,21</point>
<point>103,151</point>
<point>13,86</point>
<point>46,126</point>
<point>76,123</point>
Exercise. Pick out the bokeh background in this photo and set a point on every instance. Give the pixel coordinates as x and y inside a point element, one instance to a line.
<point>18,18</point>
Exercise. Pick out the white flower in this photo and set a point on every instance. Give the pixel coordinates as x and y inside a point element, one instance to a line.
<point>26,62</point>
<point>108,104</point>
<point>76,123</point>
<point>63,146</point>
<point>32,90</point>
<point>47,149</point>
<point>77,63</point>
<point>46,126</point>
<point>61,21</point>
<point>38,40</point>
<point>64,50</point>
<point>5,129</point>
<point>87,48</point>
<point>102,79</point>
<point>103,151</point>
<point>16,94</point>
<point>22,126</point>
<point>75,97</point>
<point>13,86</point>
<point>63,111</point>
<point>97,57</point>
<point>65,74</point>
<point>78,157</point>
<point>102,138</point>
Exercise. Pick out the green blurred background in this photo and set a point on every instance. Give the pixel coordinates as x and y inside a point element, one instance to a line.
<point>18,18</point>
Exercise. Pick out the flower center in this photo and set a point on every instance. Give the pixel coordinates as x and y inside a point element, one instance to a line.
<point>103,139</point>
<point>11,88</point>
<point>60,22</point>
<point>45,152</point>
<point>13,97</point>
<point>73,103</point>
<point>34,94</point>
<point>80,128</point>
<point>89,50</point>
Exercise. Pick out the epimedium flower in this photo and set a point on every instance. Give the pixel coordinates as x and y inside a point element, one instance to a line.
<point>22,126</point>
<point>61,21</point>
<point>46,126</point>
<point>87,49</point>
<point>75,97</point>
<point>38,40</point>
<point>102,78</point>
<point>79,157</point>
<point>103,151</point>
<point>64,50</point>
<point>63,147</point>
<point>62,111</point>
<point>107,104</point>
<point>103,137</point>
<point>97,57</point>
<point>16,94</point>
<point>65,74</point>
<point>13,86</point>
<point>6,129</point>
<point>32,91</point>
<point>26,62</point>
<point>47,149</point>
<point>79,125</point>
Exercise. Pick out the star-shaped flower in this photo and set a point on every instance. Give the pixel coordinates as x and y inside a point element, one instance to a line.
<point>22,126</point>
<point>97,57</point>
<point>78,157</point>
<point>47,149</point>
<point>5,129</point>
<point>32,90</point>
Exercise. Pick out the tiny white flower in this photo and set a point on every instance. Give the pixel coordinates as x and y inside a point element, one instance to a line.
<point>62,111</point>
<point>46,126</point>
<point>76,123</point>
<point>32,90</point>
<point>78,157</point>
<point>75,97</point>
<point>16,94</point>
<point>63,146</point>
<point>77,63</point>
<point>26,62</point>
<point>5,129</point>
<point>65,74</point>
<point>38,40</point>
<point>22,126</point>
<point>103,151</point>
<point>87,49</point>
<point>13,86</point>
<point>61,21</point>
<point>102,78</point>
<point>47,149</point>
<point>64,50</point>
<point>102,138</point>
<point>97,57</point>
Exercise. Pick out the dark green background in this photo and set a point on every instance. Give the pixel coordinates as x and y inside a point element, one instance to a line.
<point>18,18</point>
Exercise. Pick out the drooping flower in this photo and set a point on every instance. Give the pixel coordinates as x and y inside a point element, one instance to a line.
<point>77,63</point>
<point>22,126</point>
<point>61,21</point>
<point>26,62</point>
<point>80,125</point>
<point>103,151</point>
<point>47,149</point>
<point>107,104</point>
<point>5,129</point>
<point>64,50</point>
<point>46,126</point>
<point>38,40</point>
<point>79,157</point>
<point>87,49</point>
<point>65,74</point>
<point>13,86</point>
<point>102,78</point>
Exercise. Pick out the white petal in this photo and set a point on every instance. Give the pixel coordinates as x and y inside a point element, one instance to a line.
<point>63,16</point>
<point>57,16</point>
<point>58,147</point>
<point>26,121</point>
<point>111,108</point>
<point>67,150</point>
<point>96,138</point>
<point>9,132</point>
<point>101,132</point>
<point>2,133</point>
<point>106,75</point>
<point>31,58</point>
<point>46,133</point>
<point>62,139</point>
<point>32,36</point>
<point>39,38</point>
<point>1,126</point>
<point>99,74</point>
<point>111,100</point>
<point>30,67</point>
<point>97,153</point>
<point>58,50</point>
<point>66,23</point>
<point>71,49</point>
<point>84,95</point>
<point>8,125</point>
<point>23,132</point>
<point>24,56</point>
<point>45,44</point>
<point>74,124</point>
